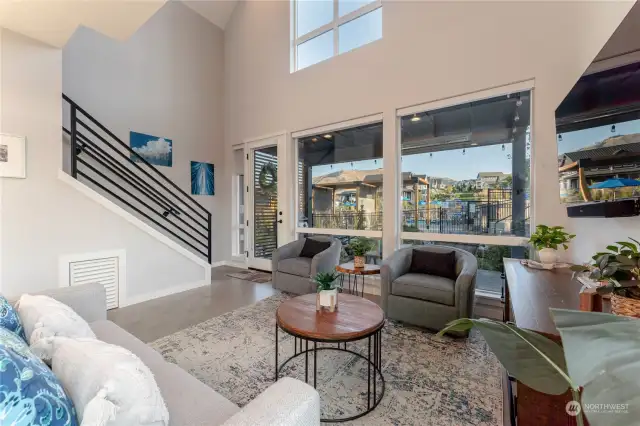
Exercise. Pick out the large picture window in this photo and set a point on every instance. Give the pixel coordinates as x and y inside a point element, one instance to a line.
<point>322,29</point>
<point>340,180</point>
<point>466,168</point>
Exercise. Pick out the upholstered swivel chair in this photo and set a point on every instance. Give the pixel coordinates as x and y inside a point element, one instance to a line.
<point>293,273</point>
<point>428,301</point>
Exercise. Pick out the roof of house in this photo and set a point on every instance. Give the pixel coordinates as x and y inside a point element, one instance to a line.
<point>615,145</point>
<point>342,177</point>
<point>490,174</point>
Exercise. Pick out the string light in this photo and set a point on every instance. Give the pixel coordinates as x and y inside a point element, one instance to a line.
<point>515,129</point>
<point>415,118</point>
<point>560,138</point>
<point>516,118</point>
<point>503,147</point>
<point>431,155</point>
<point>464,151</point>
<point>613,128</point>
<point>519,102</point>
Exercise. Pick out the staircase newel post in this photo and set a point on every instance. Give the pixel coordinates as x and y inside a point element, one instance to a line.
<point>74,142</point>
<point>209,237</point>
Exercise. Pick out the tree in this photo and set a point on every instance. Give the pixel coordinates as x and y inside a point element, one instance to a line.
<point>506,182</point>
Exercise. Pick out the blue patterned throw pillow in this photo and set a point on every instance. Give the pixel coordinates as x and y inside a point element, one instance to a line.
<point>9,318</point>
<point>30,394</point>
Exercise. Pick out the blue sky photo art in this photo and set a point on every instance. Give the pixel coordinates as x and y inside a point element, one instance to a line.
<point>202,179</point>
<point>157,151</point>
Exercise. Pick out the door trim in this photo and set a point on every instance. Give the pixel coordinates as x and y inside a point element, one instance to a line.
<point>281,141</point>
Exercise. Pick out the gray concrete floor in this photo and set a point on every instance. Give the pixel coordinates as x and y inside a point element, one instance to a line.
<point>160,317</point>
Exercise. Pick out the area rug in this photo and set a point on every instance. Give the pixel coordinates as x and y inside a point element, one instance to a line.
<point>253,276</point>
<point>429,380</point>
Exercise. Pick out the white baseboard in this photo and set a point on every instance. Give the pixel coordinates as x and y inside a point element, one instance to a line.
<point>234,263</point>
<point>164,292</point>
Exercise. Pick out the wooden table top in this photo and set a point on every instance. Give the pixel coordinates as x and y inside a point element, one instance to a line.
<point>533,291</point>
<point>349,268</point>
<point>354,318</point>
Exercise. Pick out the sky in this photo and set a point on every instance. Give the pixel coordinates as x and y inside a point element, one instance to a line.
<point>454,165</point>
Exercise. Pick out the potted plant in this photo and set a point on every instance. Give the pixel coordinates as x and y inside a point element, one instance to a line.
<point>359,247</point>
<point>618,269</point>
<point>327,286</point>
<point>585,365</point>
<point>546,240</point>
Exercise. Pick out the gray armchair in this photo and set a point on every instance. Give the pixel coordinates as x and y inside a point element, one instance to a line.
<point>292,273</point>
<point>427,300</point>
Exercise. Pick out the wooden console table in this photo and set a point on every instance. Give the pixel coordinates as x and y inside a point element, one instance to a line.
<point>528,295</point>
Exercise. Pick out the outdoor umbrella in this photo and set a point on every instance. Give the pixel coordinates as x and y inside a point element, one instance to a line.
<point>615,183</point>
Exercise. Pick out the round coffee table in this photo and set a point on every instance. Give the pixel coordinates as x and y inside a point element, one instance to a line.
<point>350,269</point>
<point>354,319</point>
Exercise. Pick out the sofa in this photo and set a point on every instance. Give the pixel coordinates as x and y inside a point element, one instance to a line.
<point>426,300</point>
<point>292,273</point>
<point>288,402</point>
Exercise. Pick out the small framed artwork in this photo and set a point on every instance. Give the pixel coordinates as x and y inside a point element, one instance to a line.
<point>155,150</point>
<point>13,156</point>
<point>202,179</point>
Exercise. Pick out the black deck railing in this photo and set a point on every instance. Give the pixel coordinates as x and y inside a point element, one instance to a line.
<point>100,158</point>
<point>460,217</point>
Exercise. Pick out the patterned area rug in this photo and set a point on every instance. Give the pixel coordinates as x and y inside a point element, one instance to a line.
<point>429,380</point>
<point>253,276</point>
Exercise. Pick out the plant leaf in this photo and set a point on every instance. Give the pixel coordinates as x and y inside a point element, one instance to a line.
<point>602,353</point>
<point>628,245</point>
<point>613,248</point>
<point>533,359</point>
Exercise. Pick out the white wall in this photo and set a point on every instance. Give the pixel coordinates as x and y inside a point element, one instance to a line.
<point>429,51</point>
<point>41,218</point>
<point>167,81</point>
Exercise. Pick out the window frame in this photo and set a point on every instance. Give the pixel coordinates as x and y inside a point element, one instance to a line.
<point>504,240</point>
<point>334,25</point>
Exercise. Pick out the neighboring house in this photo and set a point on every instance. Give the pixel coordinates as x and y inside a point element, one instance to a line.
<point>362,189</point>
<point>600,161</point>
<point>489,179</point>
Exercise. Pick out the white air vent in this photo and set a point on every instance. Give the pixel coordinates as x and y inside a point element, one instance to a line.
<point>106,269</point>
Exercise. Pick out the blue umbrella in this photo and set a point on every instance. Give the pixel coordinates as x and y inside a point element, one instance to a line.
<point>615,183</point>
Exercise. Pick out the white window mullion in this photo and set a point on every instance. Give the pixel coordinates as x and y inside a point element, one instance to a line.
<point>336,39</point>
<point>315,33</point>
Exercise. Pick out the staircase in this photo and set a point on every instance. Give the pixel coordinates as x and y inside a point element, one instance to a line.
<point>100,160</point>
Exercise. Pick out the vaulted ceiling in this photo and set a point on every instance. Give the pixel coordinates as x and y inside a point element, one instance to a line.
<point>216,11</point>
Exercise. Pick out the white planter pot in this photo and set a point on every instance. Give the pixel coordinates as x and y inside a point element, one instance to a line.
<point>358,261</point>
<point>327,295</point>
<point>548,256</point>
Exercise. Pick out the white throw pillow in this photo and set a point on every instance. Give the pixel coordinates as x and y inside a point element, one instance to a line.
<point>43,316</point>
<point>109,385</point>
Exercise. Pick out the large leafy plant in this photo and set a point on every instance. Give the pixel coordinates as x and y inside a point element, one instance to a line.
<point>597,361</point>
<point>550,237</point>
<point>619,266</point>
<point>326,281</point>
<point>360,246</point>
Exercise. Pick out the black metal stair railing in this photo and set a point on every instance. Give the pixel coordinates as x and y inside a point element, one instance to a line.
<point>100,158</point>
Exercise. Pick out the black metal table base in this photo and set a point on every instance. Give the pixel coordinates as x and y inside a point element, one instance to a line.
<point>355,283</point>
<point>373,359</point>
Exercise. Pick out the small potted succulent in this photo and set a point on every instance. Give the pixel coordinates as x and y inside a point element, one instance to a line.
<point>546,240</point>
<point>359,247</point>
<point>327,286</point>
<point>618,271</point>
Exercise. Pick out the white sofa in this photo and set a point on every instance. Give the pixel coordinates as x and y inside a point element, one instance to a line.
<point>288,402</point>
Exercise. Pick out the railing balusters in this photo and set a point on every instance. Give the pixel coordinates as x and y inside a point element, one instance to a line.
<point>161,204</point>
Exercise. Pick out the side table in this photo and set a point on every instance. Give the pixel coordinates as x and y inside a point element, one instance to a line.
<point>350,269</point>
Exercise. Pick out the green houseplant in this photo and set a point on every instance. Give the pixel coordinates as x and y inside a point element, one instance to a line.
<point>546,240</point>
<point>359,246</point>
<point>597,361</point>
<point>618,269</point>
<point>327,286</point>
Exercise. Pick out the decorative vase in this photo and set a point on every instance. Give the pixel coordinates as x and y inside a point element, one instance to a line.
<point>548,256</point>
<point>625,306</point>
<point>327,299</point>
<point>358,261</point>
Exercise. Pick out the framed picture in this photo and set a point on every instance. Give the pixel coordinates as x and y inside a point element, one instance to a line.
<point>13,156</point>
<point>155,150</point>
<point>202,179</point>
